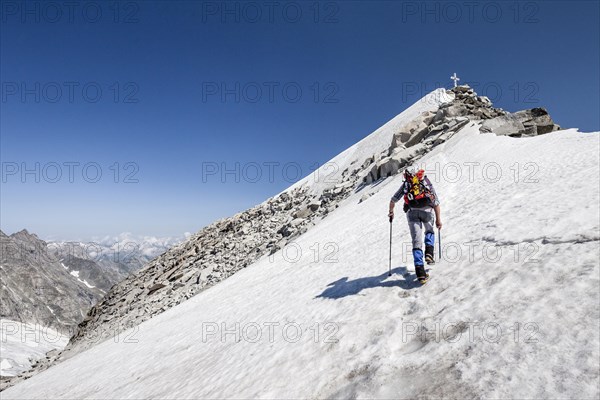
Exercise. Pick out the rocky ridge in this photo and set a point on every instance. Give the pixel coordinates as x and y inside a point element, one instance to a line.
<point>434,128</point>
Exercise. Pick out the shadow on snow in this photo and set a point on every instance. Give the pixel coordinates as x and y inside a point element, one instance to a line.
<point>344,287</point>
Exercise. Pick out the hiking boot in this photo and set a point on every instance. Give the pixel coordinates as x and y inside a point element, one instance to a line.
<point>429,258</point>
<point>421,273</point>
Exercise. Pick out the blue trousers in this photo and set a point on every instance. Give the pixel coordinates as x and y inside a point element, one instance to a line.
<point>420,223</point>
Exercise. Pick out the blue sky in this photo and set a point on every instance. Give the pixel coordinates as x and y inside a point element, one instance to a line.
<point>152,93</point>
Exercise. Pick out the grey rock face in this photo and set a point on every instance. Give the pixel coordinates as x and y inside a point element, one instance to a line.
<point>503,125</point>
<point>535,121</point>
<point>538,118</point>
<point>92,273</point>
<point>38,288</point>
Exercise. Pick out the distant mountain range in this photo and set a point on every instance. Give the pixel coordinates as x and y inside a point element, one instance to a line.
<point>117,256</point>
<point>54,284</point>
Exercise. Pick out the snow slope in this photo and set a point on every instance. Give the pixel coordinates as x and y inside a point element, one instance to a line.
<point>511,311</point>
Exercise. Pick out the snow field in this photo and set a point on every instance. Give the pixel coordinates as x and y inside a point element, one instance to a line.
<point>523,324</point>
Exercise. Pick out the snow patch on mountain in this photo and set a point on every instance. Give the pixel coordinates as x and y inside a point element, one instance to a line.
<point>76,275</point>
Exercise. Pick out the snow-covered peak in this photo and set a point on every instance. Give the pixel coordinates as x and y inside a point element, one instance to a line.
<point>330,173</point>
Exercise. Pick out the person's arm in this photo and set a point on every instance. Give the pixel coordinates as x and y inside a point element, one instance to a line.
<point>436,205</point>
<point>397,196</point>
<point>438,216</point>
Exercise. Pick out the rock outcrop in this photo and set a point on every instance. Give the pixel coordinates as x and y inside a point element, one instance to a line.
<point>467,103</point>
<point>532,122</point>
<point>431,129</point>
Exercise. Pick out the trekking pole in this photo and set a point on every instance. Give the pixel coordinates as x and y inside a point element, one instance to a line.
<point>390,268</point>
<point>440,243</point>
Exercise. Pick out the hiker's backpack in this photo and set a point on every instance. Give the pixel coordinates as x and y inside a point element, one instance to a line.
<point>419,193</point>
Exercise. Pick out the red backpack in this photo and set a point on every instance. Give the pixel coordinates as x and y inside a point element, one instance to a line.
<point>419,193</point>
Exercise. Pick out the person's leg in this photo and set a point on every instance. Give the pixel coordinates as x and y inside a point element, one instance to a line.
<point>416,233</point>
<point>427,219</point>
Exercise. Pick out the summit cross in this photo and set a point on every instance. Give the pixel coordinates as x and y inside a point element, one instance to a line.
<point>455,79</point>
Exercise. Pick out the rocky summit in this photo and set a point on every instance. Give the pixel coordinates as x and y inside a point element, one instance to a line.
<point>434,128</point>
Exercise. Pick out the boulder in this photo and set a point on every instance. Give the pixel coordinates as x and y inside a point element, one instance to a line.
<point>152,289</point>
<point>428,117</point>
<point>371,175</point>
<point>388,167</point>
<point>303,212</point>
<point>414,151</point>
<point>485,100</point>
<point>397,141</point>
<point>535,121</point>
<point>314,205</point>
<point>175,277</point>
<point>439,116</point>
<point>538,118</point>
<point>503,125</point>
<point>297,221</point>
<point>412,132</point>
<point>284,197</point>
<point>445,135</point>
<point>368,161</point>
<point>417,137</point>
<point>455,110</point>
<point>462,89</point>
